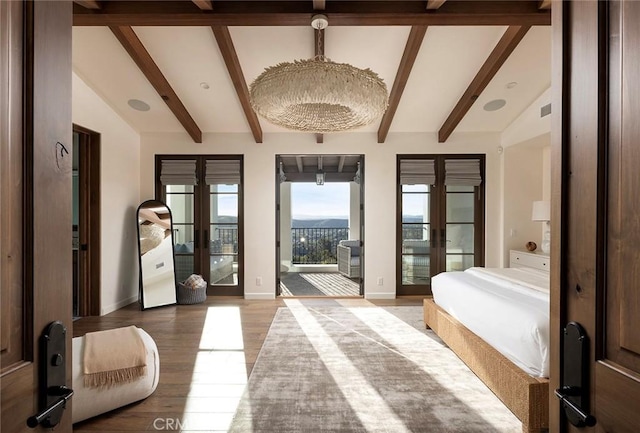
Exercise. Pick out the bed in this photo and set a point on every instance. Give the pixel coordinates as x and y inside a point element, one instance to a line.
<point>497,322</point>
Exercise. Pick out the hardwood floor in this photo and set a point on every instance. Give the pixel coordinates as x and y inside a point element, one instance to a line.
<point>207,352</point>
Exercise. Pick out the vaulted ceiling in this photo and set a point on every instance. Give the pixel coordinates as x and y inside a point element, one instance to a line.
<point>193,61</point>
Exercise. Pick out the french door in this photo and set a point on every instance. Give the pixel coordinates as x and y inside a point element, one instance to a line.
<point>204,193</point>
<point>440,223</point>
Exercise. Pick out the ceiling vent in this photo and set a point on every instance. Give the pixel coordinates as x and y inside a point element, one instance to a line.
<point>545,110</point>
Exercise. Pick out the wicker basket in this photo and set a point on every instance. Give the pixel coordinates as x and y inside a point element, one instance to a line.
<point>187,295</point>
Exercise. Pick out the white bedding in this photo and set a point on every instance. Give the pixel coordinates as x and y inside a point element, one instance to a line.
<point>509,310</point>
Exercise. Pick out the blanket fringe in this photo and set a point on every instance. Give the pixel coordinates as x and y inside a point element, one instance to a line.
<point>114,377</point>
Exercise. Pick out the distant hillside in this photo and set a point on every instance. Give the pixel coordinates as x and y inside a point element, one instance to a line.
<point>319,223</point>
<point>226,219</point>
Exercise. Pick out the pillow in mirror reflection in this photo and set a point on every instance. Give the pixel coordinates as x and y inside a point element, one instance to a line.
<point>151,236</point>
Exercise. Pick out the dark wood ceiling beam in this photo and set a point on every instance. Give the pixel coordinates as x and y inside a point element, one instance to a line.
<point>402,76</point>
<point>544,4</point>
<point>328,177</point>
<point>434,4</point>
<point>509,41</point>
<point>341,163</point>
<point>205,5</point>
<point>89,4</point>
<point>298,13</point>
<point>142,58</point>
<point>228,51</point>
<point>319,5</point>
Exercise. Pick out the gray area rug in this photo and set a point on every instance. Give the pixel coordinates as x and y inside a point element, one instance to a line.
<point>298,286</point>
<point>329,367</point>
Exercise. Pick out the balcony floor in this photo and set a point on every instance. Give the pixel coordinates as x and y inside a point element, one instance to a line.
<point>317,284</point>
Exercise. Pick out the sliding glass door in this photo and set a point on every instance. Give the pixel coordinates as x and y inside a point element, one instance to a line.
<point>440,218</point>
<point>204,194</point>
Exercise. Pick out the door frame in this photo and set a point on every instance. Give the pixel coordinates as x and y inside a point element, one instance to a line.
<point>437,214</point>
<point>201,218</point>
<point>278,232</point>
<point>89,228</point>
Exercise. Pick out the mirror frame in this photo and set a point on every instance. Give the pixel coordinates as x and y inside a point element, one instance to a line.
<point>146,204</point>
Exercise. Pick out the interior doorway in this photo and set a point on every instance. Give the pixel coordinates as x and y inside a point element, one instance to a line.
<point>86,222</point>
<point>319,225</point>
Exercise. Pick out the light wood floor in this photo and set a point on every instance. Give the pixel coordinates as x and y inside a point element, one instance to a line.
<point>201,377</point>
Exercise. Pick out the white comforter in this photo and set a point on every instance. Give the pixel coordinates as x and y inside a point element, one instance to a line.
<point>508,308</point>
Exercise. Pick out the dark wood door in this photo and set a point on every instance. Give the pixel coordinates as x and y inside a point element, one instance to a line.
<point>35,198</point>
<point>596,206</point>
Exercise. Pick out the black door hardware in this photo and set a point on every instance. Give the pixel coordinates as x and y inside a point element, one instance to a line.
<point>54,392</point>
<point>574,393</point>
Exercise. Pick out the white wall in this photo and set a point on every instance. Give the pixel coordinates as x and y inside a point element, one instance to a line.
<point>285,224</point>
<point>120,195</point>
<point>354,210</point>
<point>525,172</point>
<point>528,124</point>
<point>380,191</point>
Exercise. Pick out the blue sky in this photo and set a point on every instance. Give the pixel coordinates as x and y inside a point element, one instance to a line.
<point>309,200</point>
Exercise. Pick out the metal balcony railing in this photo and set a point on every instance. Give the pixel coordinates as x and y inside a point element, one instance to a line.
<point>316,245</point>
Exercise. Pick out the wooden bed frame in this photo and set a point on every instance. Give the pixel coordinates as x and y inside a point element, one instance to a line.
<point>526,396</point>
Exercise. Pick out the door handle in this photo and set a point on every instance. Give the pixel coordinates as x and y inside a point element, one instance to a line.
<point>443,238</point>
<point>54,393</point>
<point>196,239</point>
<point>574,393</point>
<point>206,239</point>
<point>45,417</point>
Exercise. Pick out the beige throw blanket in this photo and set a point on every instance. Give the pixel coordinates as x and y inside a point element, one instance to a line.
<point>113,357</point>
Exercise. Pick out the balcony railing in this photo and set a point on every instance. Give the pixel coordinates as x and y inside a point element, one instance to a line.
<point>316,245</point>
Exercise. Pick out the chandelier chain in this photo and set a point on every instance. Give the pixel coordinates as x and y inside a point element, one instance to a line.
<point>319,49</point>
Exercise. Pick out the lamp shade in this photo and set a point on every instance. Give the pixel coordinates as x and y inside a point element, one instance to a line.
<point>541,211</point>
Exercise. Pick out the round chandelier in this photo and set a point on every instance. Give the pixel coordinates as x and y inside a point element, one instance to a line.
<point>318,95</point>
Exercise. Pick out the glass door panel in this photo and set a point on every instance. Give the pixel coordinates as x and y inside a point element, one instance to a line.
<point>459,226</point>
<point>416,235</point>
<point>223,240</point>
<point>180,199</point>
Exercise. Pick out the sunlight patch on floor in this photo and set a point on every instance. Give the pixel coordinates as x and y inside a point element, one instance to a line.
<point>365,401</point>
<point>394,337</point>
<point>219,375</point>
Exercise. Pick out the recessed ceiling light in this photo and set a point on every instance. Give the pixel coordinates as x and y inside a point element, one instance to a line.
<point>204,85</point>
<point>139,105</point>
<point>511,84</point>
<point>495,105</point>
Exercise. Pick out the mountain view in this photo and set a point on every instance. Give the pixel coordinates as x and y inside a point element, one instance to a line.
<point>320,223</point>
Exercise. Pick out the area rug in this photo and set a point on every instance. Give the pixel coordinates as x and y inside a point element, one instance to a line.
<point>331,367</point>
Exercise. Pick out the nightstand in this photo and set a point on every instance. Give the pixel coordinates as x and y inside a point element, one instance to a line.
<point>528,259</point>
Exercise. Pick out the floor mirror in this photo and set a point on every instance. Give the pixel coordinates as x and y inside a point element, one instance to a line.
<point>155,248</point>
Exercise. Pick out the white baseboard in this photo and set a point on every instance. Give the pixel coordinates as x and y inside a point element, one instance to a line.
<point>378,295</point>
<point>259,296</point>
<point>113,307</point>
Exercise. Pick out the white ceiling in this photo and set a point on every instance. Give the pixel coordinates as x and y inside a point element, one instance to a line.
<point>448,60</point>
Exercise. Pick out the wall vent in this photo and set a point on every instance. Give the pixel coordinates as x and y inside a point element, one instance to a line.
<point>545,110</point>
